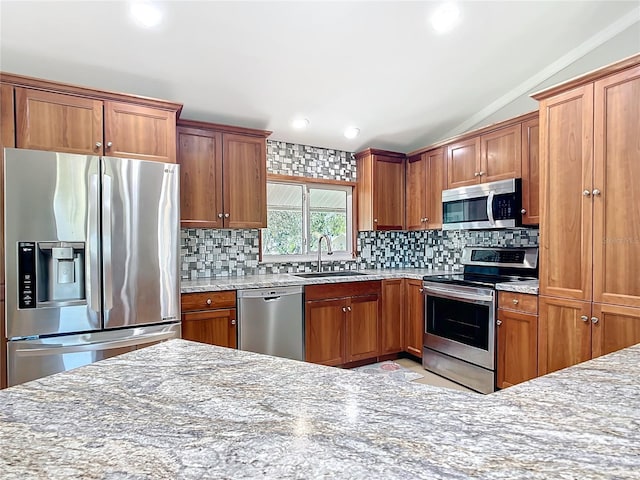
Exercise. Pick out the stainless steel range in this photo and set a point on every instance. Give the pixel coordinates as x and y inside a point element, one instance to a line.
<point>460,314</point>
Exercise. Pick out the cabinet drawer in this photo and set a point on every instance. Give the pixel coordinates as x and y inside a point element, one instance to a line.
<point>208,300</point>
<point>342,290</point>
<point>518,302</point>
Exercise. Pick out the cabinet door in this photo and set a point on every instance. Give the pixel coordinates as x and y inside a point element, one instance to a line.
<point>615,328</point>
<point>325,331</point>
<point>362,328</point>
<point>463,163</point>
<point>392,322</point>
<point>414,320</point>
<point>416,179</point>
<point>531,172</point>
<point>244,171</point>
<point>57,122</point>
<point>200,159</point>
<point>436,180</point>
<point>566,165</point>
<point>215,327</point>
<point>616,209</point>
<point>501,154</point>
<point>517,348</point>
<point>144,133</point>
<point>388,193</point>
<point>564,336</point>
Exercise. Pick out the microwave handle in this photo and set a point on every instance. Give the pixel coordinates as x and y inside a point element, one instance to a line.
<point>490,198</point>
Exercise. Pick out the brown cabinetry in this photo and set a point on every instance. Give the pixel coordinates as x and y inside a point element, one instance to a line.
<point>425,180</point>
<point>517,352</point>
<point>531,171</point>
<point>380,190</point>
<point>414,319</point>
<point>590,253</point>
<point>392,322</point>
<point>490,157</point>
<point>210,318</point>
<point>223,177</point>
<point>64,118</point>
<point>342,322</point>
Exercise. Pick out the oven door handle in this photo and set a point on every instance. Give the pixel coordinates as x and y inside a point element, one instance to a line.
<point>440,292</point>
<point>490,198</point>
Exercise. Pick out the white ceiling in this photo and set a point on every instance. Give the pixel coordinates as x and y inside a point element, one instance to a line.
<point>376,65</point>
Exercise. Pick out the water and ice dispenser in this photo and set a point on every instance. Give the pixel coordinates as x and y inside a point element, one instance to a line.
<point>51,274</point>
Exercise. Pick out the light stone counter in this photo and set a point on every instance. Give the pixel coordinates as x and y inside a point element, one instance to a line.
<point>524,286</point>
<point>181,410</point>
<point>290,279</point>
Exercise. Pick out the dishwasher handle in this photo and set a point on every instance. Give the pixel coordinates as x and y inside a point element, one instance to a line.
<point>271,299</point>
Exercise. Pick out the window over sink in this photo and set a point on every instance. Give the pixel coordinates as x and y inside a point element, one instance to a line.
<point>298,213</point>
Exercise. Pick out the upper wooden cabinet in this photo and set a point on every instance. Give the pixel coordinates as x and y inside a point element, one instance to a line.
<point>67,118</point>
<point>425,180</point>
<point>531,171</point>
<point>380,190</point>
<point>223,176</point>
<point>489,157</point>
<point>590,169</point>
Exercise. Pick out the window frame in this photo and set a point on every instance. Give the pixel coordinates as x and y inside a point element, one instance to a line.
<point>307,184</point>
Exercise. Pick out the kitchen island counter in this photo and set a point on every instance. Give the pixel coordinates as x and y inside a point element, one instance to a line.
<point>186,410</point>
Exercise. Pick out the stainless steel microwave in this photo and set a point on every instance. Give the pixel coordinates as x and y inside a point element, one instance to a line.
<point>487,205</point>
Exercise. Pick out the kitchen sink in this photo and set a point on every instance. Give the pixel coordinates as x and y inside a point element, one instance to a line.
<point>345,273</point>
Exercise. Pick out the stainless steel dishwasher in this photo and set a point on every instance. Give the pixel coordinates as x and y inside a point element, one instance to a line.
<point>270,321</point>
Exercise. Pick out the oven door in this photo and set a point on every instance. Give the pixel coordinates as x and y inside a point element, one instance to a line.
<point>460,322</point>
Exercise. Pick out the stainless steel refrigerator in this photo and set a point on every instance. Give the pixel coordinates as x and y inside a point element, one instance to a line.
<point>91,259</point>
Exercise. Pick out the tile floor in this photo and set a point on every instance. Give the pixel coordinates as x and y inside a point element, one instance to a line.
<point>430,378</point>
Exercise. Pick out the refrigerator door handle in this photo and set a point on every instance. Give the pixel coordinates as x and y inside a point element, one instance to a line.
<point>138,340</point>
<point>93,233</point>
<point>107,197</point>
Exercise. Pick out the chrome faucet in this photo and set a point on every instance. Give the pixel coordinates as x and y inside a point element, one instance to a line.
<point>329,252</point>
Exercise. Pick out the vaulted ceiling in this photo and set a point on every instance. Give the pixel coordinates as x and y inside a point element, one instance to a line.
<point>375,65</point>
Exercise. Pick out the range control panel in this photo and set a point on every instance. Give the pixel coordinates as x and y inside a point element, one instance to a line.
<point>26,275</point>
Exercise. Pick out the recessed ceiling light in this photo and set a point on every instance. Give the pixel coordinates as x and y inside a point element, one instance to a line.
<point>445,17</point>
<point>300,123</point>
<point>351,132</point>
<point>146,14</point>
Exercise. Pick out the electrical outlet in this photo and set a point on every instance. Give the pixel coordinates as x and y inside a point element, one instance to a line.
<point>428,252</point>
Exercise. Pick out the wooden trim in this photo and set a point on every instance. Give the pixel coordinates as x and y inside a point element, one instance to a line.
<point>477,132</point>
<point>69,89</point>
<point>223,128</point>
<point>588,77</point>
<point>384,153</point>
<point>276,177</point>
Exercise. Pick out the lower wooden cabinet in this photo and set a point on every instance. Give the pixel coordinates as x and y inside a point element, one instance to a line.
<point>342,322</point>
<point>210,318</point>
<point>517,348</point>
<point>574,331</point>
<point>414,318</point>
<point>392,321</point>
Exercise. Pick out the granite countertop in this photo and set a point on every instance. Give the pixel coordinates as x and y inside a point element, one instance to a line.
<point>524,286</point>
<point>289,279</point>
<point>181,410</point>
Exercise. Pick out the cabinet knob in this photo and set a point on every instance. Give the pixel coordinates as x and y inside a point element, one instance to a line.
<point>523,211</point>
<point>109,144</point>
<point>375,220</point>
<point>594,320</point>
<point>349,309</point>
<point>482,173</point>
<point>208,301</point>
<point>233,322</point>
<point>226,215</point>
<point>515,301</point>
<point>498,322</point>
<point>98,144</point>
<point>220,215</point>
<point>586,193</point>
<point>584,318</point>
<point>426,219</point>
<point>344,309</point>
<point>421,290</point>
<point>596,193</point>
<point>476,174</point>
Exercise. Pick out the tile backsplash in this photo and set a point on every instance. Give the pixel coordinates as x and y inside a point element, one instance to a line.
<point>209,253</point>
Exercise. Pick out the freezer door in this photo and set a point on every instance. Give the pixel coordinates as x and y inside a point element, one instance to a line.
<point>52,269</point>
<point>32,359</point>
<point>140,237</point>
